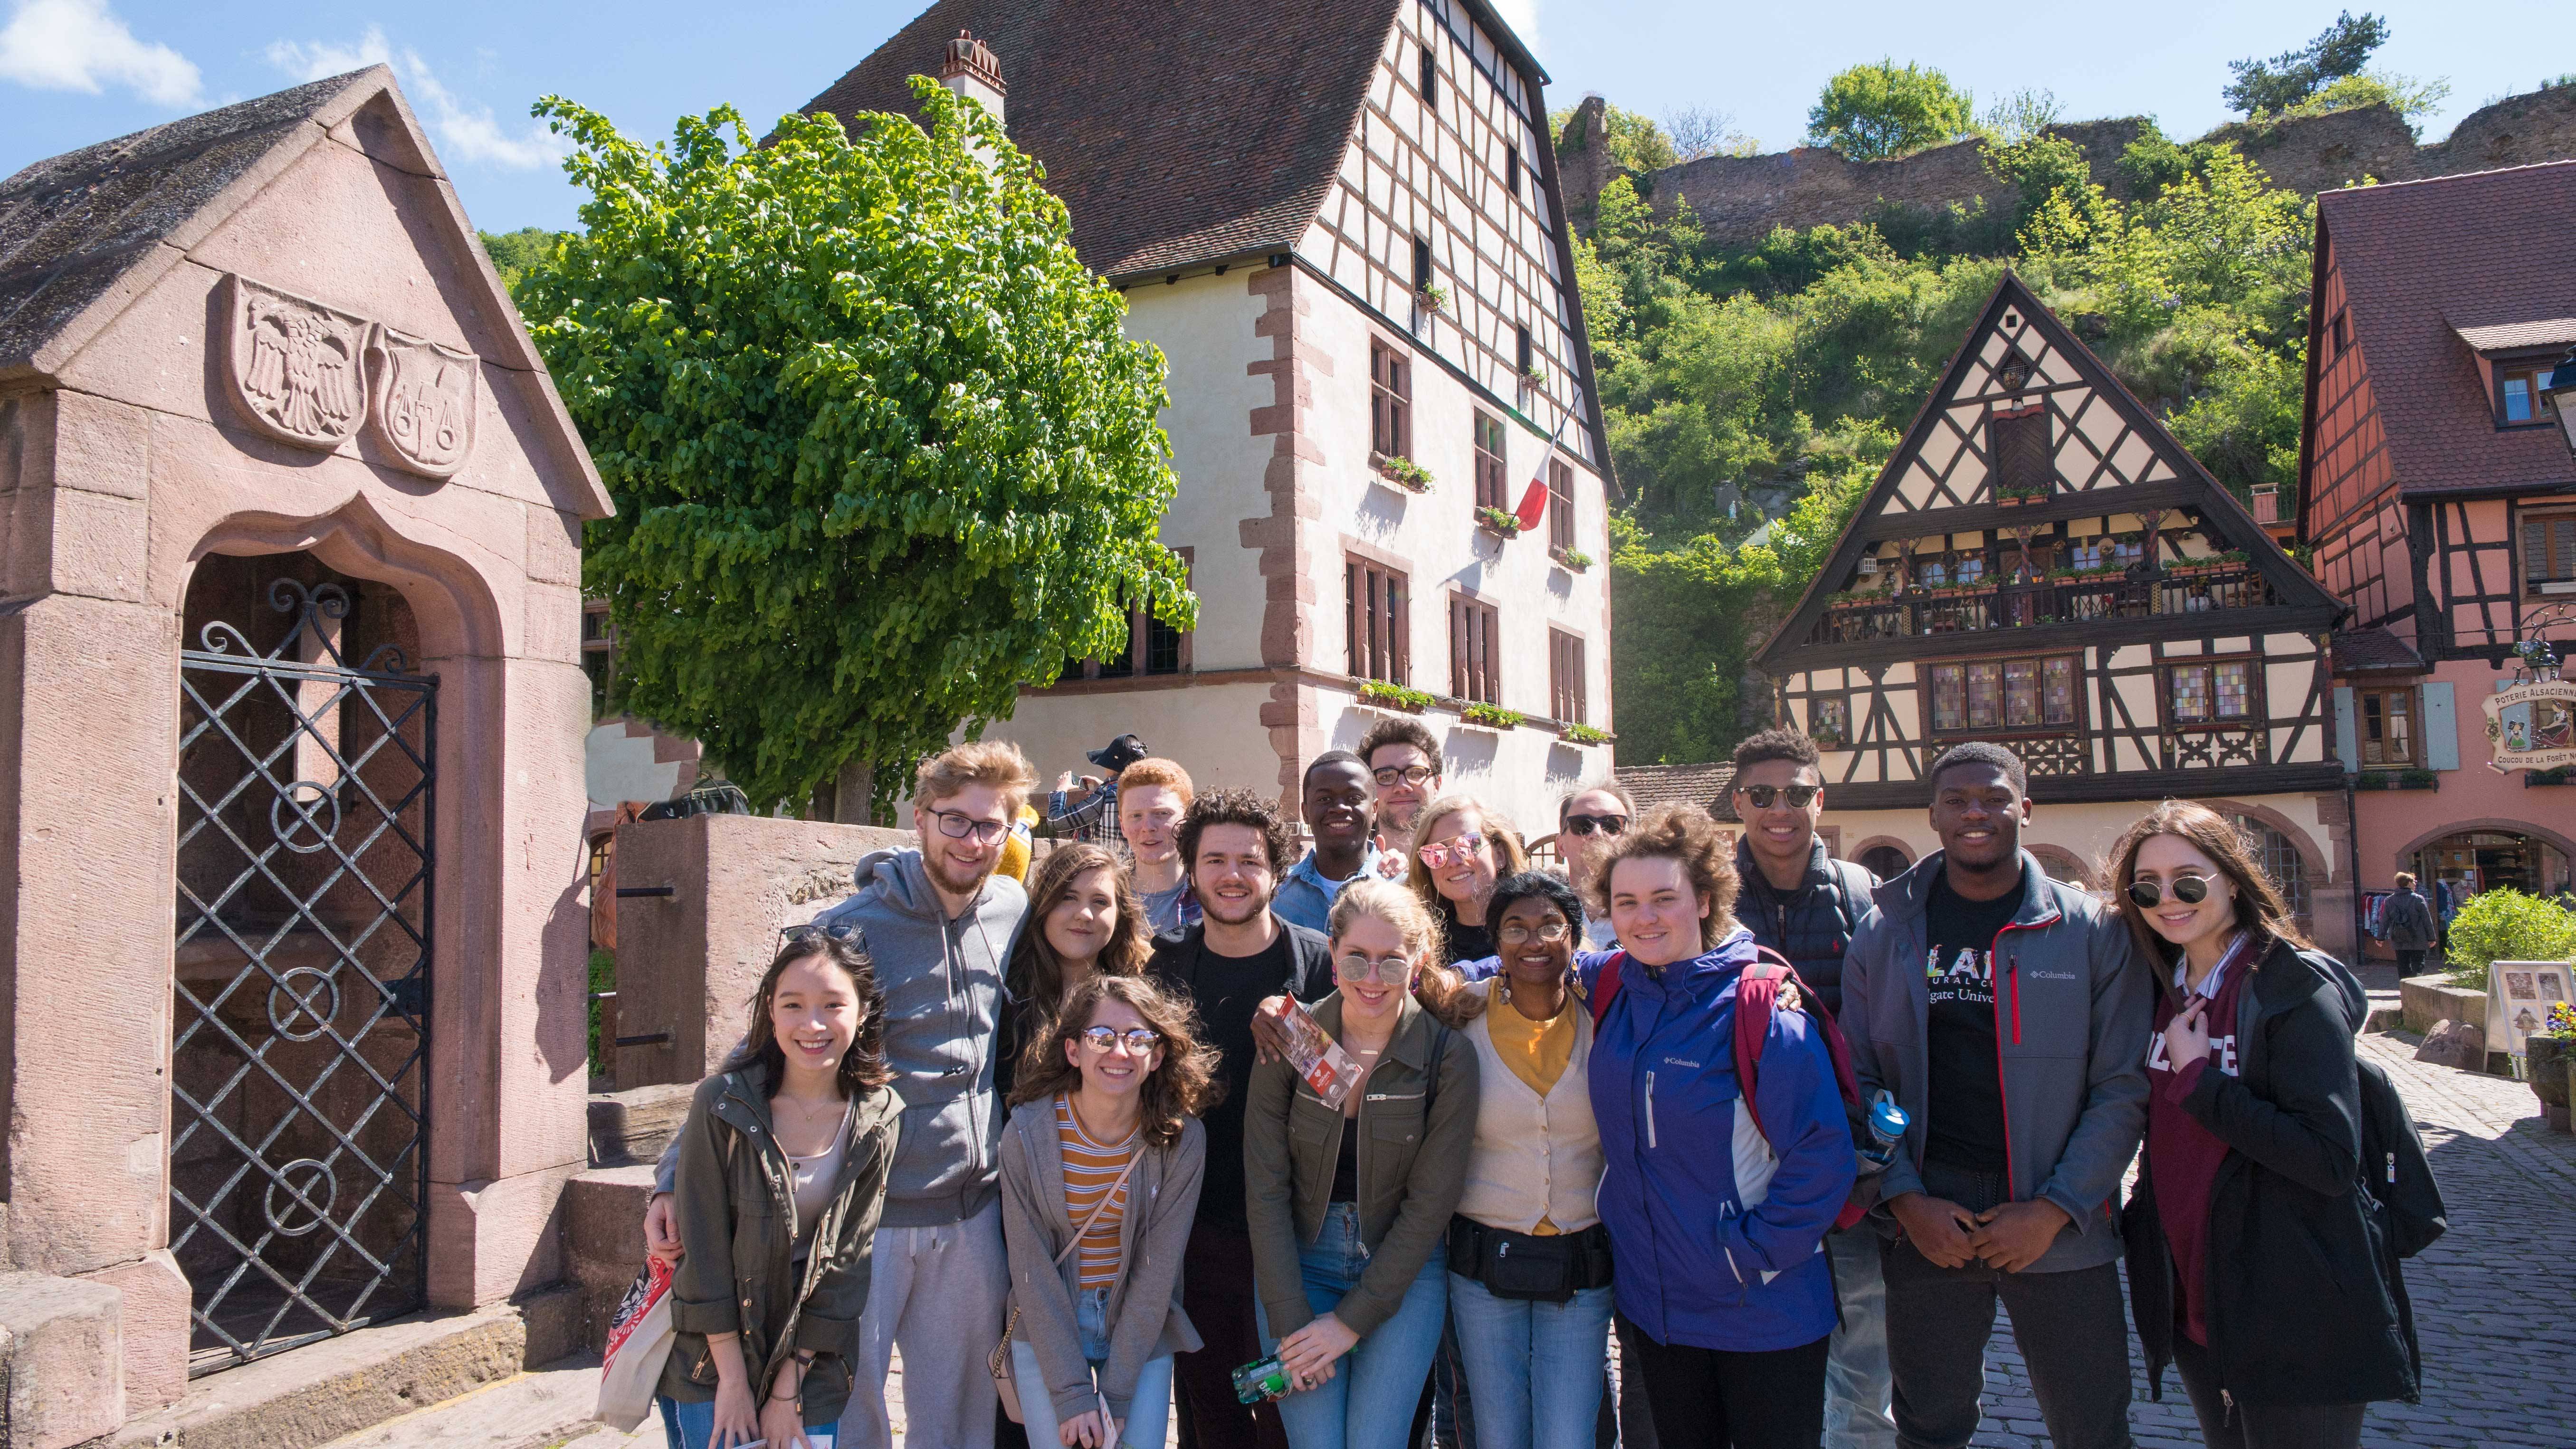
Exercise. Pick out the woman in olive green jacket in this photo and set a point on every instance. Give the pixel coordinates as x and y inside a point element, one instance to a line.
<point>1350,1208</point>
<point>782,1175</point>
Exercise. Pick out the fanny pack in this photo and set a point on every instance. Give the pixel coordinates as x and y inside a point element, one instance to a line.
<point>1526,1266</point>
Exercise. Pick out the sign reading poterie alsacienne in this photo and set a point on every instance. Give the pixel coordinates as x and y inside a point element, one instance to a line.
<point>2532,726</point>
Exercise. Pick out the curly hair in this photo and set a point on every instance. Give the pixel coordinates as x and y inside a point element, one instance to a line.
<point>1400,730</point>
<point>1238,807</point>
<point>1036,974</point>
<point>1983,752</point>
<point>1777,743</point>
<point>1681,833</point>
<point>1185,1085</point>
<point>2260,907</point>
<point>863,1066</point>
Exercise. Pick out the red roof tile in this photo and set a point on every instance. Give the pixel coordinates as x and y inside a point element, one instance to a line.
<point>2376,647</point>
<point>2426,261</point>
<point>1174,135</point>
<point>1706,786</point>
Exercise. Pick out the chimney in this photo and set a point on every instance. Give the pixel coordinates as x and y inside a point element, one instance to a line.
<point>972,72</point>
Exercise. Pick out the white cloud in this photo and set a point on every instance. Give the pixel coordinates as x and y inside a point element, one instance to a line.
<point>78,45</point>
<point>1522,17</point>
<point>464,132</point>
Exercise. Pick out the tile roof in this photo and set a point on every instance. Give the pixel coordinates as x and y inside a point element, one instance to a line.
<point>74,226</point>
<point>1701,785</point>
<point>2425,262</point>
<point>2506,336</point>
<point>2375,648</point>
<point>1174,136</point>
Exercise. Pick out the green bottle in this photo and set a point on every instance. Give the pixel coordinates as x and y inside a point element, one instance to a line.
<point>1262,1381</point>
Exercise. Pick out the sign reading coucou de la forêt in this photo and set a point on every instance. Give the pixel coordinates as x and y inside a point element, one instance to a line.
<point>312,375</point>
<point>2532,726</point>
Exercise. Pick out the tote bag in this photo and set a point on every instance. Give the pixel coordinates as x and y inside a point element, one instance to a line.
<point>639,1343</point>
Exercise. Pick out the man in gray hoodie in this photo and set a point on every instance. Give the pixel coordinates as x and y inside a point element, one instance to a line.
<point>938,925</point>
<point>2010,1018</point>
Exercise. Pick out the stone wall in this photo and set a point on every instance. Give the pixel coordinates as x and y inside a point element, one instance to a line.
<point>1740,199</point>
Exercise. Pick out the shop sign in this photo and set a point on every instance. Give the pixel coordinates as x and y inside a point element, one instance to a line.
<point>2532,726</point>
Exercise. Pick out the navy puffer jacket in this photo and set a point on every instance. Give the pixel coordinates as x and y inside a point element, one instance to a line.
<point>1812,925</point>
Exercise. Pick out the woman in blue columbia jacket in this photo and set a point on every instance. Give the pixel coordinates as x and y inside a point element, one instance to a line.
<point>1715,1226</point>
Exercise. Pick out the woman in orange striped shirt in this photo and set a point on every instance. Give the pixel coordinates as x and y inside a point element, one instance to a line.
<point>1100,1183</point>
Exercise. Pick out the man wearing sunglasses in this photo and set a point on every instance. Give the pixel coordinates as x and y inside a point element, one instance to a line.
<point>2008,1015</point>
<point>1587,820</point>
<point>1802,903</point>
<point>937,923</point>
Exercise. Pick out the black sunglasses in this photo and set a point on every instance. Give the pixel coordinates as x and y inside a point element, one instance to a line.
<point>1762,795</point>
<point>1587,824</point>
<point>2191,890</point>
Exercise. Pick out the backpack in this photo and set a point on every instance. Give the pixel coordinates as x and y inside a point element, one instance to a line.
<point>1757,995</point>
<point>2393,1165</point>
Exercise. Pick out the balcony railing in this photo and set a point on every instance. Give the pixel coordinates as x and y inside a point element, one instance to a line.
<point>2185,590</point>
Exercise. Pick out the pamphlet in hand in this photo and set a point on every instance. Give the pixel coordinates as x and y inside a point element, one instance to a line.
<point>1317,1057</point>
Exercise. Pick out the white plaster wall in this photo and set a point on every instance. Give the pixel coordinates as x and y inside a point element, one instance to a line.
<point>1213,730</point>
<point>1204,326</point>
<point>1521,773</point>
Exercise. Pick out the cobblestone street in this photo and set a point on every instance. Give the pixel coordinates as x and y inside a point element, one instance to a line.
<point>2481,1293</point>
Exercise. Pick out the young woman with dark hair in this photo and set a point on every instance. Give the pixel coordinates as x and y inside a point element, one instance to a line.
<point>781,1177</point>
<point>1101,1167</point>
<point>1084,917</point>
<point>2248,1216</point>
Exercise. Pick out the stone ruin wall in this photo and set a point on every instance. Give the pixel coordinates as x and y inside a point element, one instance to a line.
<point>1740,199</point>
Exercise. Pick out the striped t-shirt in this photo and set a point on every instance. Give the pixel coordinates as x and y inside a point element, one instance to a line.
<point>1090,1169</point>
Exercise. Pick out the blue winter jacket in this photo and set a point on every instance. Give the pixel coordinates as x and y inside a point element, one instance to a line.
<point>1716,1234</point>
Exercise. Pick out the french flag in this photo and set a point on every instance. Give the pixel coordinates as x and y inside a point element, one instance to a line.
<point>1534,499</point>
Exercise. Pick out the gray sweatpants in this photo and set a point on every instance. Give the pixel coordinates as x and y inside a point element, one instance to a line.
<point>937,1294</point>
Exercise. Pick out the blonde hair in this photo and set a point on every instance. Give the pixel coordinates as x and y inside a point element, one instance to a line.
<point>997,763</point>
<point>1155,770</point>
<point>1509,856</point>
<point>1441,990</point>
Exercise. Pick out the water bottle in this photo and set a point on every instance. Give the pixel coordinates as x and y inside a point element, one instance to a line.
<point>1262,1381</point>
<point>1887,1122</point>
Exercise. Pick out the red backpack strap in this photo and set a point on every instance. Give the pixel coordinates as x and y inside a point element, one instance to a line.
<point>1757,994</point>
<point>1605,985</point>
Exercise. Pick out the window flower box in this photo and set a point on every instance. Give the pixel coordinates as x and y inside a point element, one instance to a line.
<point>2397,780</point>
<point>1401,471</point>
<point>1498,523</point>
<point>2015,497</point>
<point>1434,298</point>
<point>1491,716</point>
<point>1382,695</point>
<point>1583,734</point>
<point>1574,560</point>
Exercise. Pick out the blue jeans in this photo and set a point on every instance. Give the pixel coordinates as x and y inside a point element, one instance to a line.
<point>1368,1403</point>
<point>1859,1392</point>
<point>692,1426</point>
<point>1536,1370</point>
<point>1149,1414</point>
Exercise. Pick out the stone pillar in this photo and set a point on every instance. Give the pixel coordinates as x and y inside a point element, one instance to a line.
<point>59,1346</point>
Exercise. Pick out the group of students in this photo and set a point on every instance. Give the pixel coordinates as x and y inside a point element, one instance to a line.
<point>1053,1133</point>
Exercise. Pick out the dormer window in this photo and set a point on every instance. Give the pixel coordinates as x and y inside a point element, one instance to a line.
<point>2518,390</point>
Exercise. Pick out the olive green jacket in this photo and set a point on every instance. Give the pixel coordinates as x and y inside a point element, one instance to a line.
<point>1412,1159</point>
<point>737,1220</point>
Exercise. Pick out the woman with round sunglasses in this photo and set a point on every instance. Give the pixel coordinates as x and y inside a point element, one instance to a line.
<point>1529,1258</point>
<point>1101,1167</point>
<point>2255,1264</point>
<point>1350,1204</point>
<point>1085,916</point>
<point>1459,850</point>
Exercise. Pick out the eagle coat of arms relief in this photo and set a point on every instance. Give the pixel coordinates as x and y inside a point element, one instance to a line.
<point>298,368</point>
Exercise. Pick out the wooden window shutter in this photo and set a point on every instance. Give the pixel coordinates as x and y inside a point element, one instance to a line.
<point>2018,443</point>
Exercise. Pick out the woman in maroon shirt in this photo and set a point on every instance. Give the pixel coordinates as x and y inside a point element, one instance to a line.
<point>2257,1264</point>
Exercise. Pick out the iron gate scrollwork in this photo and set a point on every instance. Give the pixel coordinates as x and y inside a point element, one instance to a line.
<point>300,1032</point>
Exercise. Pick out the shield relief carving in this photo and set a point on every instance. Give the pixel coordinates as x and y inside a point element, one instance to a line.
<point>426,397</point>
<point>298,368</point>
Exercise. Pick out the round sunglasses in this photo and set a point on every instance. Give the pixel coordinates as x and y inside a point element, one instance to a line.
<point>2191,890</point>
<point>1762,795</point>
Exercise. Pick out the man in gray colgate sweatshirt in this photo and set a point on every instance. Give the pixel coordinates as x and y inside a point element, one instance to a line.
<point>938,925</point>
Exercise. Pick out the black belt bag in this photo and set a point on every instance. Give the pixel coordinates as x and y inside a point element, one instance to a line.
<point>1525,1266</point>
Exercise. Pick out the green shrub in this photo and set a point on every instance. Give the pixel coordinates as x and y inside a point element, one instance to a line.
<point>2506,925</point>
<point>603,977</point>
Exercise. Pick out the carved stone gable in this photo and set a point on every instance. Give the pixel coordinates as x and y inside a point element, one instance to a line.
<point>298,368</point>
<point>425,402</point>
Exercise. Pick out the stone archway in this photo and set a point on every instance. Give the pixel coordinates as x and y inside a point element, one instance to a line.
<point>1880,850</point>
<point>2063,865</point>
<point>2315,859</point>
<point>2565,844</point>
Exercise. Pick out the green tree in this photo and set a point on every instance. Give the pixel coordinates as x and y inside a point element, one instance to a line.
<point>1634,140</point>
<point>879,450</point>
<point>1874,112</point>
<point>2339,50</point>
<point>2410,98</point>
<point>513,252</point>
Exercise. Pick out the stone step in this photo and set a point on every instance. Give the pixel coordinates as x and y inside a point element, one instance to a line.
<point>310,1396</point>
<point>534,1410</point>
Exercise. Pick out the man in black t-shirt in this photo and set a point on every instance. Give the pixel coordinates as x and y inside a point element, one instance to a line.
<point>1236,847</point>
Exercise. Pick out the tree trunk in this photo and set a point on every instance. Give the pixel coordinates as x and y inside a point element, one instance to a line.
<point>850,793</point>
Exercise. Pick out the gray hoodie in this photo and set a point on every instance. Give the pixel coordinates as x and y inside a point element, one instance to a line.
<point>943,988</point>
<point>2074,1009</point>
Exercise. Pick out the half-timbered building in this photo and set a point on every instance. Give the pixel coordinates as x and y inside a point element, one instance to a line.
<point>2439,495</point>
<point>1340,221</point>
<point>2042,565</point>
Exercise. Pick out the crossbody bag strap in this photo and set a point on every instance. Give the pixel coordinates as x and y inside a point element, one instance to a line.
<point>1106,1199</point>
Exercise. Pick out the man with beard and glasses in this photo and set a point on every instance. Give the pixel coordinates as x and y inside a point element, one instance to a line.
<point>938,923</point>
<point>2009,1016</point>
<point>1403,758</point>
<point>1240,952</point>
<point>1341,810</point>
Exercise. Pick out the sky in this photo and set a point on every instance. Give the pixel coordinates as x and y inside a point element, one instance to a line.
<point>73,72</point>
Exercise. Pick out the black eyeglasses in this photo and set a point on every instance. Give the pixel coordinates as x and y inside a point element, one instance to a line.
<point>1389,776</point>
<point>957,825</point>
<point>1587,824</point>
<point>1139,1041</point>
<point>1798,796</point>
<point>2191,890</point>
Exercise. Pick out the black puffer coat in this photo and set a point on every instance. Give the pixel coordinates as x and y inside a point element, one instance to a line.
<point>1811,925</point>
<point>2305,1302</point>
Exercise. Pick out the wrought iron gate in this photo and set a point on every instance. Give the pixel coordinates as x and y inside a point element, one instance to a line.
<point>300,1030</point>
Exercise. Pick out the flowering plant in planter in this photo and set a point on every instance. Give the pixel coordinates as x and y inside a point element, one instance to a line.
<point>1492,716</point>
<point>1574,559</point>
<point>1583,734</point>
<point>1393,696</point>
<point>1404,472</point>
<point>1496,521</point>
<point>1433,296</point>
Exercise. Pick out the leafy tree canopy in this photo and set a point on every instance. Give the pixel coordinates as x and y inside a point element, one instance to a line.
<point>1635,140</point>
<point>1874,112</point>
<point>514,252</point>
<point>879,450</point>
<point>2339,50</point>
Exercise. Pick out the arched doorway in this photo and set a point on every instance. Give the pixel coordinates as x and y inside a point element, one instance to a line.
<point>299,1062</point>
<point>2063,866</point>
<point>2470,861</point>
<point>2281,860</point>
<point>1885,861</point>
